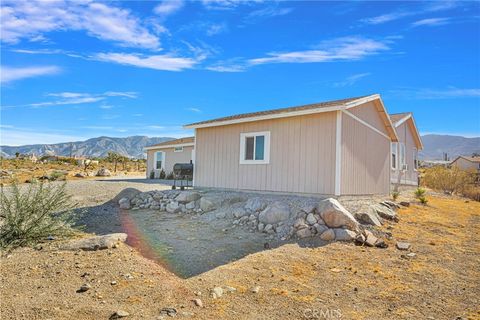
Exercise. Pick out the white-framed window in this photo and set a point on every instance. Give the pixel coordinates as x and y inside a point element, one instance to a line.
<point>159,160</point>
<point>255,148</point>
<point>394,157</point>
<point>415,158</point>
<point>178,149</point>
<point>402,159</point>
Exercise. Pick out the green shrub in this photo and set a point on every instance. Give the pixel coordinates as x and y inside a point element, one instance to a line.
<point>419,193</point>
<point>152,174</point>
<point>31,214</point>
<point>423,200</point>
<point>162,174</point>
<point>395,195</point>
<point>57,175</point>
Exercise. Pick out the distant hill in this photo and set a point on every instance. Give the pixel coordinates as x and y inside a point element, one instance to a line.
<point>96,147</point>
<point>435,145</point>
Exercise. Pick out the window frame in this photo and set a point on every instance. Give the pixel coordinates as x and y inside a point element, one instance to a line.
<point>415,159</point>
<point>180,149</point>
<point>266,147</point>
<point>394,150</point>
<point>155,160</point>
<point>402,159</point>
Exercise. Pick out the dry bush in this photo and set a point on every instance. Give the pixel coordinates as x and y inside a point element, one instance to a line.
<point>448,180</point>
<point>31,214</point>
<point>472,192</point>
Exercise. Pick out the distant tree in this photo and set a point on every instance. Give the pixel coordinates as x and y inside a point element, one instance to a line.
<point>17,154</point>
<point>114,158</point>
<point>475,154</point>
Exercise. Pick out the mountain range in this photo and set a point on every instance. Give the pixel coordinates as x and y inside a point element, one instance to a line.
<point>96,147</point>
<point>435,146</point>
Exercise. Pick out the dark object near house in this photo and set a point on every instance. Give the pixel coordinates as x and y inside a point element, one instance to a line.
<point>183,174</point>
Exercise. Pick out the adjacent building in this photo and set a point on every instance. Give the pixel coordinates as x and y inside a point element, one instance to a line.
<point>163,156</point>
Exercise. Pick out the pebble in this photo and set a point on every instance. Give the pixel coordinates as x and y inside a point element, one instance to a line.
<point>119,314</point>
<point>113,283</point>
<point>256,289</point>
<point>171,312</point>
<point>84,287</point>
<point>198,303</point>
<point>403,245</point>
<point>217,292</point>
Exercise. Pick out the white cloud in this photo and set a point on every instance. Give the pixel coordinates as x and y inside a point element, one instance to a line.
<point>351,80</point>
<point>226,4</point>
<point>227,68</point>
<point>9,74</point>
<point>268,12</point>
<point>167,7</point>
<point>215,29</point>
<point>428,93</point>
<point>388,17</point>
<point>341,49</point>
<point>33,19</point>
<point>196,110</point>
<point>106,106</point>
<point>157,62</point>
<point>431,22</point>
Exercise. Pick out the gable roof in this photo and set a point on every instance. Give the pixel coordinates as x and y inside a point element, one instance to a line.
<point>471,159</point>
<point>399,118</point>
<point>326,106</point>
<point>186,141</point>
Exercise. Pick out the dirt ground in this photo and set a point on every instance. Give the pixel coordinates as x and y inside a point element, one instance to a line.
<point>336,281</point>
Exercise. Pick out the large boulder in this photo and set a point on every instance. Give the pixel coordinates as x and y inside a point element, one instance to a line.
<point>187,196</point>
<point>124,203</point>
<point>369,216</point>
<point>275,213</point>
<point>239,212</point>
<point>255,205</point>
<point>384,212</point>
<point>344,235</point>
<point>207,204</point>
<point>104,172</point>
<point>335,215</point>
<point>173,207</point>
<point>96,243</point>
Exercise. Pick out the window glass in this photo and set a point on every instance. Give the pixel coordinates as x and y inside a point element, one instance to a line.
<point>259,147</point>
<point>394,155</point>
<point>178,149</point>
<point>158,160</point>
<point>249,147</point>
<point>415,158</point>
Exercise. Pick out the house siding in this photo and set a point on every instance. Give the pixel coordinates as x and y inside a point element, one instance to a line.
<point>464,164</point>
<point>302,156</point>
<point>171,158</point>
<point>405,135</point>
<point>365,165</point>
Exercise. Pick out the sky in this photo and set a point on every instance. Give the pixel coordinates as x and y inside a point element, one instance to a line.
<point>76,70</point>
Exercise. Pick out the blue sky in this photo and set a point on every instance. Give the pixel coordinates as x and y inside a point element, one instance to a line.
<point>76,70</point>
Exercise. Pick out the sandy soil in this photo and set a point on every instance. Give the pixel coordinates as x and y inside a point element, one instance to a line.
<point>440,282</point>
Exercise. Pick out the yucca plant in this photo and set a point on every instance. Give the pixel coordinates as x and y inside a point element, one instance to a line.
<point>31,214</point>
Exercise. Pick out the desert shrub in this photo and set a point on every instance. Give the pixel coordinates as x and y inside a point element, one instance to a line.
<point>448,180</point>
<point>162,174</point>
<point>170,176</point>
<point>152,174</point>
<point>420,192</point>
<point>395,195</point>
<point>57,175</point>
<point>31,214</point>
<point>423,200</point>
<point>472,192</point>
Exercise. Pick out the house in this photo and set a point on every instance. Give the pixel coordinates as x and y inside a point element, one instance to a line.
<point>340,147</point>
<point>165,155</point>
<point>404,160</point>
<point>467,163</point>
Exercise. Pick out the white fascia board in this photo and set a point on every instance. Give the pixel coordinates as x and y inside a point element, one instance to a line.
<point>190,144</point>
<point>399,123</point>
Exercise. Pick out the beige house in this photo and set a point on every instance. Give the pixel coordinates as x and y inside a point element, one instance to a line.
<point>405,152</point>
<point>165,155</point>
<point>340,147</point>
<point>467,163</point>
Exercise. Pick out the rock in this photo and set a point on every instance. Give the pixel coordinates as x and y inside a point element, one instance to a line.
<point>390,204</point>
<point>344,235</point>
<point>113,283</point>
<point>370,239</point>
<point>260,227</point>
<point>300,224</point>
<point>304,233</point>
<point>85,287</point>
<point>124,203</point>
<point>173,207</point>
<point>96,243</point>
<point>198,303</point>
<point>230,289</point>
<point>370,216</point>
<point>187,196</point>
<point>335,215</point>
<point>268,228</point>
<point>328,235</point>
<point>220,215</point>
<point>190,205</point>
<point>239,212</point>
<point>103,173</point>
<point>217,292</point>
<point>311,220</point>
<point>275,213</point>
<point>384,212</point>
<point>405,204</point>
<point>119,314</point>
<point>411,254</point>
<point>309,208</point>
<point>255,205</point>
<point>171,312</point>
<point>207,204</point>
<point>403,245</point>
<point>255,289</point>
<point>80,175</point>
<point>321,228</point>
